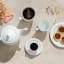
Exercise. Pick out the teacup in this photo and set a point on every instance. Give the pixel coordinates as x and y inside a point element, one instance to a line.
<point>42,25</point>
<point>33,46</point>
<point>27,14</point>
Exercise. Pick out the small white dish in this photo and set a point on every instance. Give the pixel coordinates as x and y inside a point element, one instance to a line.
<point>52,32</point>
<point>33,52</point>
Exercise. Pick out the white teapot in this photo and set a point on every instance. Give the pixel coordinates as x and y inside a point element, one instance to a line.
<point>10,34</point>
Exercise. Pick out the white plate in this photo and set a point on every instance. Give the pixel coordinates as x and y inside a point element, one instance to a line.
<point>52,32</point>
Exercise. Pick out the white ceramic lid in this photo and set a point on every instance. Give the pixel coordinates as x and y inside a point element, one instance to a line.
<point>9,35</point>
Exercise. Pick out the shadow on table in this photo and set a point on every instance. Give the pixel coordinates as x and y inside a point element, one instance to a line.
<point>24,24</point>
<point>7,52</point>
<point>29,56</point>
<point>40,35</point>
<point>54,44</point>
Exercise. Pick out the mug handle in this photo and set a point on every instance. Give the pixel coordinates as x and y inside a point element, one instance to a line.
<point>37,28</point>
<point>20,18</point>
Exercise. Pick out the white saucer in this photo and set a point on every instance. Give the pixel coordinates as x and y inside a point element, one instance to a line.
<point>53,30</point>
<point>31,52</point>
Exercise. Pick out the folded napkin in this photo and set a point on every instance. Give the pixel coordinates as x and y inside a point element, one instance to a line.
<point>8,14</point>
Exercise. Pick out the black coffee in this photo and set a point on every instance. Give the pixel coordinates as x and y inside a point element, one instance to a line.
<point>34,46</point>
<point>28,13</point>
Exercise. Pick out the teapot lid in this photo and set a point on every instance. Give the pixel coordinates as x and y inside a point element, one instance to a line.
<point>9,34</point>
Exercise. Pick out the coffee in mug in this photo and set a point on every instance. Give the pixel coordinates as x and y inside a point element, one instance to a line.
<point>28,13</point>
<point>34,46</point>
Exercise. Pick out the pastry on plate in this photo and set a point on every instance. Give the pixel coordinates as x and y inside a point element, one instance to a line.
<point>61,29</point>
<point>57,36</point>
<point>62,40</point>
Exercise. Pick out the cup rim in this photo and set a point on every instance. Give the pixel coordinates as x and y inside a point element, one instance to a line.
<point>25,18</point>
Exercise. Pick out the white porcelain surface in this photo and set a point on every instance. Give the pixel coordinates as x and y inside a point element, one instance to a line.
<point>53,30</point>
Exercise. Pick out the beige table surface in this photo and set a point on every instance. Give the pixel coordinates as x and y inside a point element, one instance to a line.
<point>16,55</point>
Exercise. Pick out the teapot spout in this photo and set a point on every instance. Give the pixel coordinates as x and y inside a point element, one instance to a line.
<point>24,29</point>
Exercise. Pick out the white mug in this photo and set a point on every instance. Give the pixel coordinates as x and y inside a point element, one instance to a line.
<point>33,46</point>
<point>22,16</point>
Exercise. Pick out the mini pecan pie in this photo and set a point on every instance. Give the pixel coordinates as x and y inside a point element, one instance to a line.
<point>2,14</point>
<point>61,29</point>
<point>57,35</point>
<point>62,39</point>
